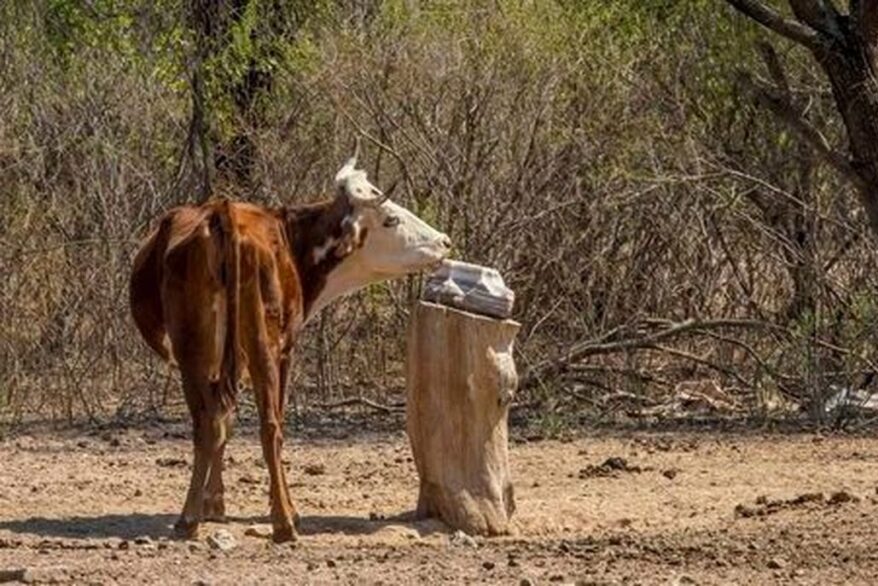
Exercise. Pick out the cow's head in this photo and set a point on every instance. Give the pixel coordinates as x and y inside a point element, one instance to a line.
<point>390,241</point>
<point>380,239</point>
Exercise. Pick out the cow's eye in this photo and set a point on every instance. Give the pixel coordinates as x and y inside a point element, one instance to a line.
<point>391,221</point>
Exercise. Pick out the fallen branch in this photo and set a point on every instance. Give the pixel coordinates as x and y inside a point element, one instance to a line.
<point>786,112</point>
<point>704,362</point>
<point>600,345</point>
<point>361,401</point>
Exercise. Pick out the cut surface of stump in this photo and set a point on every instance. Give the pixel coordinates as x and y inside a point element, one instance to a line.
<point>460,379</point>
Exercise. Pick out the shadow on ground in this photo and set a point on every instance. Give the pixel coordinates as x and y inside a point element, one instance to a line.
<point>161,525</point>
<point>102,526</point>
<point>359,526</point>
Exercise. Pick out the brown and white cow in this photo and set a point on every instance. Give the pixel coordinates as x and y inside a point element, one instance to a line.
<point>222,289</point>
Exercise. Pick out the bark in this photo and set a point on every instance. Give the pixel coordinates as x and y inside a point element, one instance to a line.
<point>461,378</point>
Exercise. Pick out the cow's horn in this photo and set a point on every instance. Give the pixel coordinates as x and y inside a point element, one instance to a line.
<point>349,166</point>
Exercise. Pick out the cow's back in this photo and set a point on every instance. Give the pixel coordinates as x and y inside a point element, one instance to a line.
<point>179,270</point>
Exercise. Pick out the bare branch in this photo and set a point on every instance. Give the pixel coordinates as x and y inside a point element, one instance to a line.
<point>361,401</point>
<point>805,131</point>
<point>771,19</point>
<point>772,62</point>
<point>599,346</point>
<point>704,362</point>
<point>820,15</point>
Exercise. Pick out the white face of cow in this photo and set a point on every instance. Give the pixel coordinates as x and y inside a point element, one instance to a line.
<point>393,241</point>
<point>396,242</point>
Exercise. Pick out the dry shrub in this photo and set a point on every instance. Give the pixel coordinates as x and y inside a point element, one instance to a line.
<point>602,159</point>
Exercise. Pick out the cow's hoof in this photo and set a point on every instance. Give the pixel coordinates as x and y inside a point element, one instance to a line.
<point>214,511</point>
<point>284,534</point>
<point>184,529</point>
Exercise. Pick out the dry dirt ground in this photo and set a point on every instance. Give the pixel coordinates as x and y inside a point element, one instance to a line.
<point>679,508</point>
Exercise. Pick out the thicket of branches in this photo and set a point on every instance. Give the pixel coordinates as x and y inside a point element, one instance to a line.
<point>659,226</point>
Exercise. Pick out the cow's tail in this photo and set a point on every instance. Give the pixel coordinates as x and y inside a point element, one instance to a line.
<point>230,269</point>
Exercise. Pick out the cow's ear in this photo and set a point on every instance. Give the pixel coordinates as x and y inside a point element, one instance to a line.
<point>352,236</point>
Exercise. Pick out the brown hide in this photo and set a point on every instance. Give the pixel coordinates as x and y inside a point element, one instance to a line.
<point>222,289</point>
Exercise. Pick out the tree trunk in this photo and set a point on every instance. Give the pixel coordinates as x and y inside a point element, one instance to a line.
<point>855,90</point>
<point>846,47</point>
<point>461,378</point>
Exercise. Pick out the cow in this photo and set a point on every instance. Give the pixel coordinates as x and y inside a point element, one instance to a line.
<point>222,289</point>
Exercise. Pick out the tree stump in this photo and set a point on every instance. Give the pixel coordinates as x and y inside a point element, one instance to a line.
<point>460,378</point>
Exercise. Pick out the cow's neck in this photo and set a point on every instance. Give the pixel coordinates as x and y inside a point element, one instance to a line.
<point>346,277</point>
<point>311,230</point>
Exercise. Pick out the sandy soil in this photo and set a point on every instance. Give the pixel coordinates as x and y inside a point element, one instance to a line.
<point>686,508</point>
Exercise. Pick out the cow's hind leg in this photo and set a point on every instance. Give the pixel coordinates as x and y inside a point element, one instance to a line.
<point>214,495</point>
<point>208,434</point>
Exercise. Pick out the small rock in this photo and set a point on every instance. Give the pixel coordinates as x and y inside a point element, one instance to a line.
<point>143,540</point>
<point>138,492</point>
<point>808,497</point>
<point>609,468</point>
<point>670,473</point>
<point>262,531</point>
<point>488,565</point>
<point>222,540</point>
<point>842,496</point>
<point>314,469</point>
<point>777,563</point>
<point>330,563</point>
<point>460,538</point>
<point>311,566</point>
<point>742,510</point>
<point>526,582</point>
<point>616,463</point>
<point>171,462</point>
<point>684,579</point>
<point>248,479</point>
